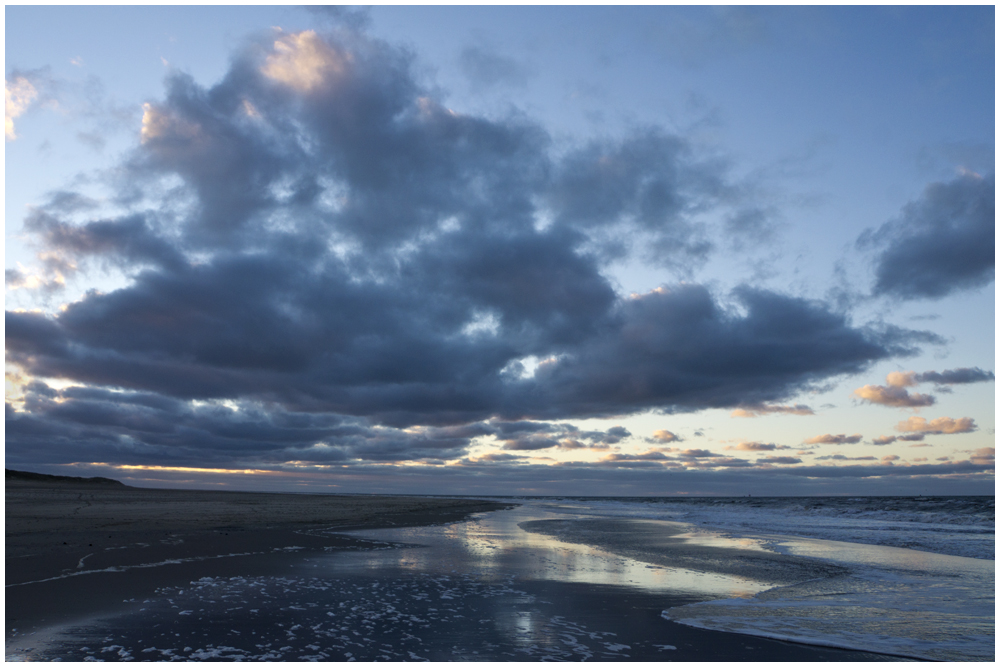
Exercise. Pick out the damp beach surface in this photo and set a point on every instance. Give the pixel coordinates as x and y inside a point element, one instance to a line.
<point>535,580</point>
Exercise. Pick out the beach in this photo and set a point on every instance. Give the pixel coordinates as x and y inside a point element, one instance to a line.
<point>76,550</point>
<point>119,573</point>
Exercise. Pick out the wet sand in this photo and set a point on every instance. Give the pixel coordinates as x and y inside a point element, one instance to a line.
<point>656,543</point>
<point>96,572</point>
<point>75,549</point>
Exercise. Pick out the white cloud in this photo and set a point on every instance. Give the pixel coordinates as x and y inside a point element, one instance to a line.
<point>18,96</point>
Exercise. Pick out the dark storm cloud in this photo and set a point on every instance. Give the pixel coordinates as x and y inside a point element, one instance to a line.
<point>132,427</point>
<point>128,427</point>
<point>532,435</point>
<point>530,443</point>
<point>940,243</point>
<point>319,240</point>
<point>129,241</point>
<point>680,348</point>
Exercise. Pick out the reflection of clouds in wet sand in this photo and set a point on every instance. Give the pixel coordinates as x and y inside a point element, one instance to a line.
<point>497,543</point>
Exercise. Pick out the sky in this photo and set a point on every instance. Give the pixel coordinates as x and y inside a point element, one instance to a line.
<point>502,250</point>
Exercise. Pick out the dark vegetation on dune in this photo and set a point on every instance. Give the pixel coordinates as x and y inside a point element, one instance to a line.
<point>25,476</point>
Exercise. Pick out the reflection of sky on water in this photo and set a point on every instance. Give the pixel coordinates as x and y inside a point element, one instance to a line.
<point>887,557</point>
<point>896,601</point>
<point>494,546</point>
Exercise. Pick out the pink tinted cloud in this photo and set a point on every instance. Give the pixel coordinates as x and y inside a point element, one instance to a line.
<point>939,426</point>
<point>892,396</point>
<point>665,436</point>
<point>757,447</point>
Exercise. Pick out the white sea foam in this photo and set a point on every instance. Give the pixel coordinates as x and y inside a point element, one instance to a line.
<point>916,615</point>
<point>912,590</point>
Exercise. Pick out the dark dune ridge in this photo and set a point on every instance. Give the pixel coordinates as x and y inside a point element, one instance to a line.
<point>24,476</point>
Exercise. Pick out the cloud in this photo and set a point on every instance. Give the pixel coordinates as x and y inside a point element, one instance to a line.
<point>984,456</point>
<point>889,439</point>
<point>677,347</point>
<point>695,453</point>
<point>716,462</point>
<point>530,443</point>
<point>517,476</point>
<point>956,376</point>
<point>352,269</point>
<point>136,428</point>
<point>828,439</point>
<point>841,457</point>
<point>757,446</point>
<point>939,426</point>
<point>665,436</point>
<point>941,243</point>
<point>532,435</point>
<point>304,61</point>
<point>646,456</point>
<point>894,393</point>
<point>779,460</point>
<point>19,93</point>
<point>893,396</point>
<point>646,188</point>
<point>899,380</point>
<point>758,410</point>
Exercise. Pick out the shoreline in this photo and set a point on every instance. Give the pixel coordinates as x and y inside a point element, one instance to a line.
<point>76,550</point>
<point>79,555</point>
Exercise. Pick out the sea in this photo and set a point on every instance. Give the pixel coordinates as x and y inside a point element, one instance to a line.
<point>580,578</point>
<point>919,577</point>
